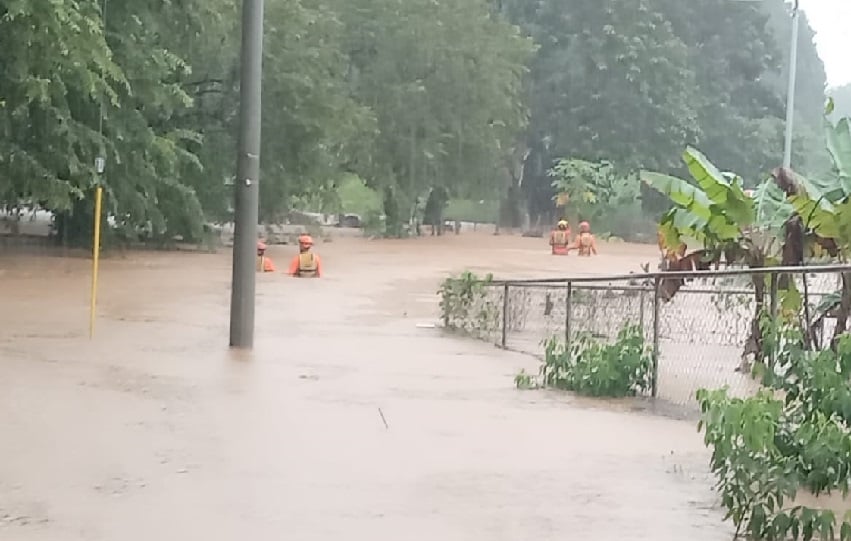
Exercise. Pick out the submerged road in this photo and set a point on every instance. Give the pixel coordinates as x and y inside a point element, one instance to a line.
<point>348,421</point>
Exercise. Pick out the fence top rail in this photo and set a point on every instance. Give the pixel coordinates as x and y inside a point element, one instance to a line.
<point>815,269</point>
<point>647,288</point>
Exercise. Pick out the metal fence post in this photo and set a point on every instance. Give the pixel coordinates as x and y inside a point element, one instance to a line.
<point>807,329</point>
<point>772,312</point>
<point>567,309</point>
<point>657,305</point>
<point>505,316</point>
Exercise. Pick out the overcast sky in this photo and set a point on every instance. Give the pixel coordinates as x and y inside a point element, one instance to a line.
<point>831,19</point>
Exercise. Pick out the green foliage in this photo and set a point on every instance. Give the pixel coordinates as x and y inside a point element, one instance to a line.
<point>384,90</point>
<point>469,210</point>
<point>766,451</point>
<point>604,195</point>
<point>631,81</point>
<point>63,70</point>
<point>56,69</point>
<point>466,306</point>
<point>813,382</point>
<point>357,198</point>
<point>714,211</point>
<point>412,95</point>
<point>444,83</point>
<point>524,381</point>
<point>314,127</point>
<point>593,188</point>
<point>772,209</point>
<point>588,367</point>
<point>824,204</point>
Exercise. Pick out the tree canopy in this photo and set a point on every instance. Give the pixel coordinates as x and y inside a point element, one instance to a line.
<point>635,82</point>
<point>480,98</point>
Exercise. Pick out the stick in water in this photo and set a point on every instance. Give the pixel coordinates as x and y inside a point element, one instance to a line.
<point>383,419</point>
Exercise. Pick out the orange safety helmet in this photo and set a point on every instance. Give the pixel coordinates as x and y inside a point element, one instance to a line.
<point>584,227</point>
<point>305,240</point>
<point>261,246</point>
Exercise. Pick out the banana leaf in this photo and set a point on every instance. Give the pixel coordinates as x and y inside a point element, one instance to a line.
<point>772,208</point>
<point>679,225</point>
<point>833,189</point>
<point>680,192</point>
<point>720,189</point>
<point>669,231</point>
<point>722,230</point>
<point>818,215</point>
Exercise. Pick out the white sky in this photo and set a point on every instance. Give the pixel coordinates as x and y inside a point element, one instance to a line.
<point>831,20</point>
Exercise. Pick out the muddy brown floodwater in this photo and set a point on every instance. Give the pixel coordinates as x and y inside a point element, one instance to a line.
<point>155,430</point>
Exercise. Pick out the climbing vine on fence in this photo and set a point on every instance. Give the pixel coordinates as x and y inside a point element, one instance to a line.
<point>466,305</point>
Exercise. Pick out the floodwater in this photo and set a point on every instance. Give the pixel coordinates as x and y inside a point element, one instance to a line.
<point>349,420</point>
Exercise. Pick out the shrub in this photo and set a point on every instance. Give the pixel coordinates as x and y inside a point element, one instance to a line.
<point>767,449</point>
<point>465,305</point>
<point>524,380</point>
<point>591,368</point>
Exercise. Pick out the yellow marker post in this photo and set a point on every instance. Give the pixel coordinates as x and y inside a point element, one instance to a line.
<point>95,260</point>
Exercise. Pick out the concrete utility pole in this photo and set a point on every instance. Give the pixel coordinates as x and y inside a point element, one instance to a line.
<point>247,177</point>
<point>793,76</point>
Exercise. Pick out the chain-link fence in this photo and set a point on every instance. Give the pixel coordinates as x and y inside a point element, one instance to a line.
<point>700,334</point>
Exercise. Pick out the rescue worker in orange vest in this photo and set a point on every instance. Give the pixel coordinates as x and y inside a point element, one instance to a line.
<point>585,243</point>
<point>560,238</point>
<point>264,262</point>
<point>306,264</point>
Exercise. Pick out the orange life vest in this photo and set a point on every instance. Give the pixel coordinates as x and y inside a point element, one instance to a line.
<point>307,267</point>
<point>264,264</point>
<point>585,242</point>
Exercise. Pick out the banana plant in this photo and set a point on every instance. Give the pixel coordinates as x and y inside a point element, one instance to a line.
<point>824,205</point>
<point>787,214</point>
<point>823,209</point>
<point>713,211</point>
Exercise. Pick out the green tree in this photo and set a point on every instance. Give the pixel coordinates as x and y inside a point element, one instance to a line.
<point>632,82</point>
<point>67,78</point>
<point>314,129</point>
<point>444,81</point>
<point>56,70</point>
<point>596,192</point>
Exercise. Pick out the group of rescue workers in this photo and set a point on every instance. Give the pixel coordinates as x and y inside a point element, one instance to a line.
<point>306,264</point>
<point>584,243</point>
